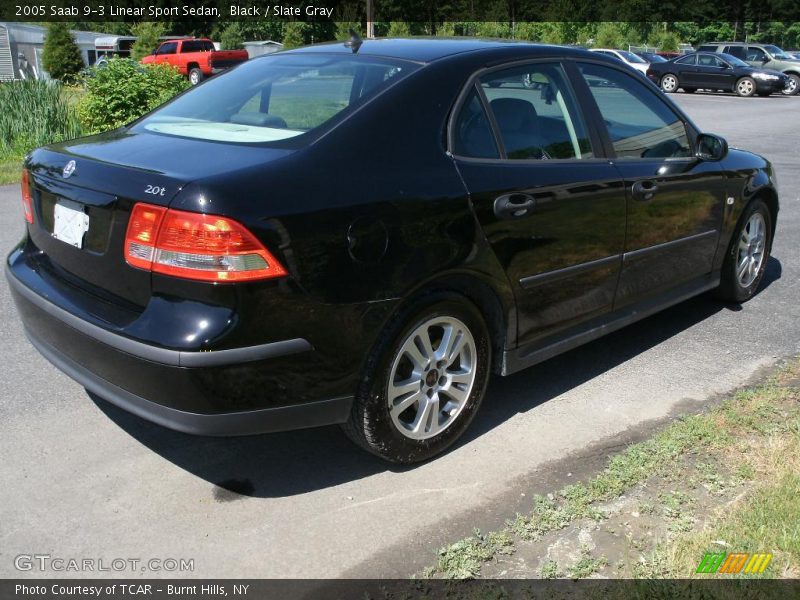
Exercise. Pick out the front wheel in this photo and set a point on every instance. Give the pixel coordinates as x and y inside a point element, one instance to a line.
<point>669,83</point>
<point>745,87</point>
<point>747,255</point>
<point>793,87</point>
<point>423,382</point>
<point>195,76</point>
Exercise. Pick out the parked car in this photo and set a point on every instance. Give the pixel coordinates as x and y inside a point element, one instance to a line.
<point>362,234</point>
<point>196,58</point>
<point>650,57</point>
<point>670,55</point>
<point>762,56</point>
<point>717,72</point>
<point>629,58</point>
<point>795,54</point>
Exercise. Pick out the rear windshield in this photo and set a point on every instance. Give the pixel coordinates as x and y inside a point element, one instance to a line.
<point>275,98</point>
<point>197,46</point>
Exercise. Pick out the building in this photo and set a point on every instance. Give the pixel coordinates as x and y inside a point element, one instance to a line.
<point>21,47</point>
<point>259,48</point>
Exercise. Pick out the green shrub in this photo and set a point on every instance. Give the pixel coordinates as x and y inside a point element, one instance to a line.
<point>34,113</point>
<point>124,91</point>
<point>148,37</point>
<point>399,29</point>
<point>61,57</point>
<point>294,34</point>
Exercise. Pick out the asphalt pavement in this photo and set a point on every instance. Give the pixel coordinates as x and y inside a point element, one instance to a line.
<point>84,480</point>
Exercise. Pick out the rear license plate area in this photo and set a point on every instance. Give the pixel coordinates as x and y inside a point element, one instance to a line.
<point>70,222</point>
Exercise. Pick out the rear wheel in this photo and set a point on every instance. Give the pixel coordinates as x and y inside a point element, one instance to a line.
<point>747,255</point>
<point>195,76</point>
<point>793,87</point>
<point>745,87</point>
<point>423,382</point>
<point>669,83</point>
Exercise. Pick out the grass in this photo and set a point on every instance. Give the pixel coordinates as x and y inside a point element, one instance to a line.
<point>34,113</point>
<point>750,440</point>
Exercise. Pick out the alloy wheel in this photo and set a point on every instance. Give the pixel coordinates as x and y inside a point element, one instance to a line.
<point>791,87</point>
<point>751,250</point>
<point>669,83</point>
<point>432,377</point>
<point>745,87</point>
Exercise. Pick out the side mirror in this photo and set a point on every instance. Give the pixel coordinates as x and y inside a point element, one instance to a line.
<point>710,147</point>
<point>765,60</point>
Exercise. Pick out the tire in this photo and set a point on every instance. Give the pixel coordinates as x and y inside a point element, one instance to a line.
<point>669,83</point>
<point>745,87</point>
<point>737,285</point>
<point>195,76</point>
<point>794,85</point>
<point>392,434</point>
<point>689,90</point>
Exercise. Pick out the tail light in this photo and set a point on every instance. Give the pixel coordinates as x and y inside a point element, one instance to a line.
<point>196,246</point>
<point>27,199</point>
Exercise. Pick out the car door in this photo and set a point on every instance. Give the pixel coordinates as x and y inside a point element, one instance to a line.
<point>686,70</point>
<point>756,57</point>
<point>713,73</point>
<point>552,209</point>
<point>166,50</point>
<point>675,202</point>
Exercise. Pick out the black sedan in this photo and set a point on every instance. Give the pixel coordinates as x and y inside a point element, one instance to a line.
<point>361,234</point>
<point>715,71</point>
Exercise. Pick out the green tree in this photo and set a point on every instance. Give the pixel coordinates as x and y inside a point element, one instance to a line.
<point>148,34</point>
<point>231,37</point>
<point>294,34</point>
<point>446,29</point>
<point>609,35</point>
<point>61,57</point>
<point>398,29</point>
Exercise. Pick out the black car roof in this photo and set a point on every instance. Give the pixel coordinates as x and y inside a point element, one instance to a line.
<point>425,49</point>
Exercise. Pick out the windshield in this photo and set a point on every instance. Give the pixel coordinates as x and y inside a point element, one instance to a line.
<point>274,98</point>
<point>630,57</point>
<point>777,53</point>
<point>732,60</point>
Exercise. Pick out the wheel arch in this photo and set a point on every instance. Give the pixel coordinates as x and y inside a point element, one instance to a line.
<point>495,304</point>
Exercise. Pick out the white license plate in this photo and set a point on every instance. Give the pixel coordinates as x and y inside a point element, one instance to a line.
<point>70,222</point>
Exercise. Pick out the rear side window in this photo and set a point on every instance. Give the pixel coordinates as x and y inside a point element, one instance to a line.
<point>686,60</point>
<point>737,51</point>
<point>639,124</point>
<point>275,98</point>
<point>536,114</point>
<point>197,46</point>
<point>472,134</point>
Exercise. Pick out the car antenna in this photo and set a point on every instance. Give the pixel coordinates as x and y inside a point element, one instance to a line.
<point>354,42</point>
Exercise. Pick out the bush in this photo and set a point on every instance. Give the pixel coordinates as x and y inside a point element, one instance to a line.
<point>148,34</point>
<point>61,57</point>
<point>399,29</point>
<point>231,37</point>
<point>34,113</point>
<point>294,34</point>
<point>124,91</point>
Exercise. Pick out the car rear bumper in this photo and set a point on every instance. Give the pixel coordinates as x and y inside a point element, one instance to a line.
<point>240,391</point>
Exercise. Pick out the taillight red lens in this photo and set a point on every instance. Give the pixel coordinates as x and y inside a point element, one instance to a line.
<point>196,246</point>
<point>27,198</point>
<point>140,239</point>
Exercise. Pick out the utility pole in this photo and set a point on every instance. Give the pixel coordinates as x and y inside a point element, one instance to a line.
<point>370,18</point>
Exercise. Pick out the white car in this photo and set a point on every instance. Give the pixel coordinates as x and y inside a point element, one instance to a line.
<point>629,58</point>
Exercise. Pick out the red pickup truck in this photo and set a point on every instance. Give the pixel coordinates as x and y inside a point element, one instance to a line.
<point>196,57</point>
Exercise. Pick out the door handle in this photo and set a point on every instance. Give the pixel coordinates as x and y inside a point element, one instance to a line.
<point>513,206</point>
<point>644,190</point>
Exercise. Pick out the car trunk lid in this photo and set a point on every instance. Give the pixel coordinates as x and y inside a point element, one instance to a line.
<point>84,191</point>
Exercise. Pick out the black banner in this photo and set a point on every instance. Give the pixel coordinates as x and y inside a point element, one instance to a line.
<point>710,588</point>
<point>430,11</point>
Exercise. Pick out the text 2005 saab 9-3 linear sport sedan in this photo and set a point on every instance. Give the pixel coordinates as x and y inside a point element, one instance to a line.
<point>361,234</point>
